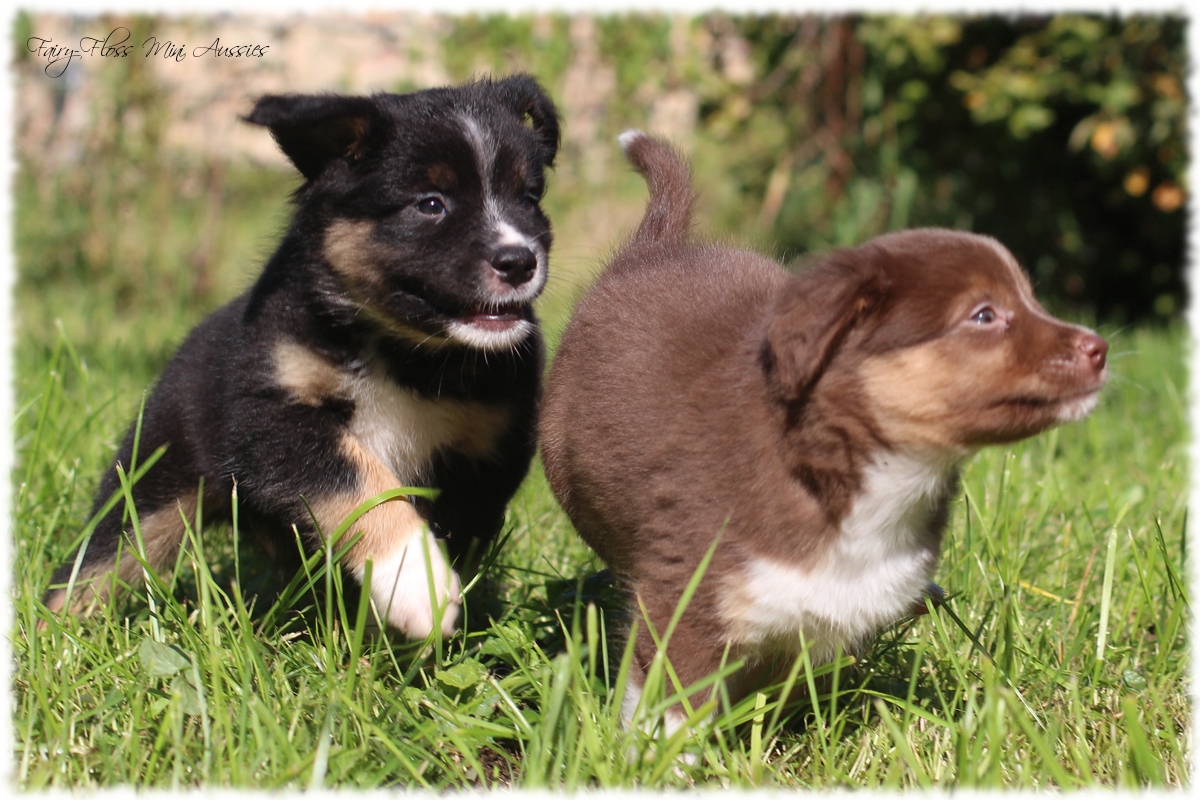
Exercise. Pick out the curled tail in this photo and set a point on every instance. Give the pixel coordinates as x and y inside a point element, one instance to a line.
<point>669,212</point>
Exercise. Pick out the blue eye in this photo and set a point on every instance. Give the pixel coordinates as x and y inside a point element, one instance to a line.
<point>984,316</point>
<point>431,206</point>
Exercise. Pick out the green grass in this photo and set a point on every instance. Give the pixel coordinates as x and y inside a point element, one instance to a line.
<point>1061,659</point>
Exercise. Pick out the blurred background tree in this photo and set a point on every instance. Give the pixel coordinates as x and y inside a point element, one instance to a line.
<point>1062,136</point>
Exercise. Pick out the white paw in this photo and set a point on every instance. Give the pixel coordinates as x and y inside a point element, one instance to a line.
<point>673,719</point>
<point>401,588</point>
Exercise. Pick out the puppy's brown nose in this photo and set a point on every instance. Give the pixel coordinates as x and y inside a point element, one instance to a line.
<point>1094,349</point>
<point>516,265</point>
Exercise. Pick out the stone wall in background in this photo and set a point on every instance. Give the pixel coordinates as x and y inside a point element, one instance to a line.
<point>204,95</point>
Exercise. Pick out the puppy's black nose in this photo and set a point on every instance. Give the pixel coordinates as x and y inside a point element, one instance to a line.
<point>1094,349</point>
<point>515,264</point>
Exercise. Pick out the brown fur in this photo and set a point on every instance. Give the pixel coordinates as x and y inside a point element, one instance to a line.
<point>306,376</point>
<point>385,528</point>
<point>162,532</point>
<point>443,177</point>
<point>350,251</point>
<point>703,390</point>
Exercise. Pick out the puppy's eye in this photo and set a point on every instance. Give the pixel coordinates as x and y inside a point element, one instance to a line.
<point>431,206</point>
<point>984,316</point>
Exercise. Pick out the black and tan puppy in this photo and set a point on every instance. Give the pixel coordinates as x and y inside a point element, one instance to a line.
<point>389,342</point>
<point>816,421</point>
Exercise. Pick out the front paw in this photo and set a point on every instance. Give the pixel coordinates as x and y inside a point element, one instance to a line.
<point>416,589</point>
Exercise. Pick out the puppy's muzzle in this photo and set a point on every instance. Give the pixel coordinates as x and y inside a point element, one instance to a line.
<point>514,264</point>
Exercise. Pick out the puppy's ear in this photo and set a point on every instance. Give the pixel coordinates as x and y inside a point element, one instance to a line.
<point>313,130</point>
<point>812,317</point>
<point>524,95</point>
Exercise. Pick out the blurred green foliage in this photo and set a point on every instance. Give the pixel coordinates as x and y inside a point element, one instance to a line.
<point>1062,136</point>
<point>129,243</point>
<point>503,43</point>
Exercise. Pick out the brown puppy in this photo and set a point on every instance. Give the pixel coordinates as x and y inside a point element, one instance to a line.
<point>817,422</point>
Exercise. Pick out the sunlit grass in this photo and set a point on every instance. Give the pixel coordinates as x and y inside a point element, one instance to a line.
<point>1060,660</point>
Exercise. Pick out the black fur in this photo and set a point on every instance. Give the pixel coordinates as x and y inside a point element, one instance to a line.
<point>376,166</point>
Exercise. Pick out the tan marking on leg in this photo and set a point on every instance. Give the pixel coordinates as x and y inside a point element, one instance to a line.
<point>308,378</point>
<point>373,479</point>
<point>403,552</point>
<point>162,533</point>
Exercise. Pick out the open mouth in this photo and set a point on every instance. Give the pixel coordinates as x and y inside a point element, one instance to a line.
<point>498,319</point>
<point>492,327</point>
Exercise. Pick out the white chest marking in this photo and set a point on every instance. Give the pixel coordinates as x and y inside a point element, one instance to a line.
<point>868,578</point>
<point>404,430</point>
<point>395,424</point>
